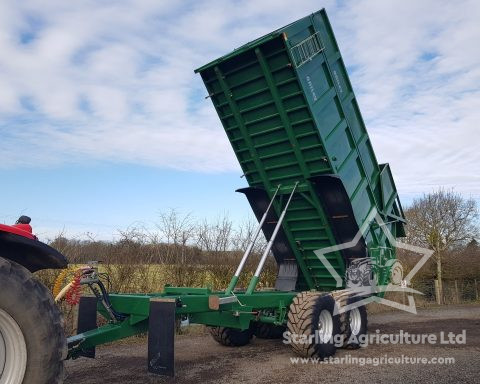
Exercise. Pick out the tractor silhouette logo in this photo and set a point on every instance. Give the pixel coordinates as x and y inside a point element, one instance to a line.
<point>361,278</point>
<point>362,272</point>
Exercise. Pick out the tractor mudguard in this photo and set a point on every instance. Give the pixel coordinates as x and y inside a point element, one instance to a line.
<point>28,251</point>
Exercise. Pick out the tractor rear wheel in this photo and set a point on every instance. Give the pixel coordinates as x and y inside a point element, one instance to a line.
<point>312,324</point>
<point>231,337</point>
<point>32,341</point>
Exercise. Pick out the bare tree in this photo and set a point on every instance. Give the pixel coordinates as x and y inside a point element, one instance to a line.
<point>177,230</point>
<point>464,262</point>
<point>441,221</point>
<point>244,233</point>
<point>216,236</point>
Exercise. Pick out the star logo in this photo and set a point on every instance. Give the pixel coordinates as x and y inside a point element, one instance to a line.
<point>361,292</point>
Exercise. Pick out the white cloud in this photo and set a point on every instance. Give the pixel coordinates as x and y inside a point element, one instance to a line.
<point>114,81</point>
<point>416,75</point>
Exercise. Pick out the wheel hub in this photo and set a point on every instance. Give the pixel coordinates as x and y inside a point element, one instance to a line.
<point>355,321</point>
<point>13,350</point>
<point>325,326</point>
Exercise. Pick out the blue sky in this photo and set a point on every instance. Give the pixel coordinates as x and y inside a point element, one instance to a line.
<point>103,123</point>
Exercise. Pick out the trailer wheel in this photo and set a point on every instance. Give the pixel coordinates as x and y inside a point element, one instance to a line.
<point>357,324</point>
<point>231,337</point>
<point>312,325</point>
<point>269,331</point>
<point>32,342</point>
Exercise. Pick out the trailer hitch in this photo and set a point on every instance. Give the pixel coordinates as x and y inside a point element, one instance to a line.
<point>92,280</point>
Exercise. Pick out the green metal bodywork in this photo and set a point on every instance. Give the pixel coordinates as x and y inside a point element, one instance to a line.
<point>289,111</point>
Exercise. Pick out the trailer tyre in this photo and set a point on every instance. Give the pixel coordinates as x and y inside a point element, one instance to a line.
<point>32,341</point>
<point>356,327</point>
<point>312,325</point>
<point>269,331</point>
<point>231,337</point>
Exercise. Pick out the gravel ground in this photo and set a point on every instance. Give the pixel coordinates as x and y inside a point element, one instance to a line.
<point>199,359</point>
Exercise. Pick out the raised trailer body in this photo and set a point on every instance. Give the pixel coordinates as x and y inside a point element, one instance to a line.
<point>289,111</point>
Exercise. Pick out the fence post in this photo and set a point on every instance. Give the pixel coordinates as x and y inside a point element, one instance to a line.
<point>457,297</point>
<point>437,293</point>
<point>476,289</point>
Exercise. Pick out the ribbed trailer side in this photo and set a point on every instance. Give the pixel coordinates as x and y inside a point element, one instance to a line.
<point>289,111</point>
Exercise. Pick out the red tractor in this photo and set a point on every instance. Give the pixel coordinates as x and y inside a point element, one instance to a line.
<point>32,340</point>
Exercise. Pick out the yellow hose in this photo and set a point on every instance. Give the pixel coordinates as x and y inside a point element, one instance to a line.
<point>63,292</point>
<point>59,291</point>
<point>59,281</point>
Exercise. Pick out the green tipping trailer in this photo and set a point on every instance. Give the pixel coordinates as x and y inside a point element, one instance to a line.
<point>289,111</point>
<point>321,198</point>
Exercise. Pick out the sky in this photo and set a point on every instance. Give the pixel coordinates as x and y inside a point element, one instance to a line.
<point>104,125</point>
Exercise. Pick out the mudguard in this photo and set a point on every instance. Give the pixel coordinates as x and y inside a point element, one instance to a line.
<point>258,199</point>
<point>24,248</point>
<point>338,207</point>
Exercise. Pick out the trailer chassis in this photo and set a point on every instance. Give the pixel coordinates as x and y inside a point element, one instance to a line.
<point>156,314</point>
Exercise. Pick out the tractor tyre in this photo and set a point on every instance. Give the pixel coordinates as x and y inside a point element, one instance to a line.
<point>269,331</point>
<point>32,340</point>
<point>231,337</point>
<point>313,327</point>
